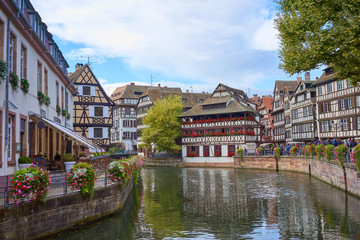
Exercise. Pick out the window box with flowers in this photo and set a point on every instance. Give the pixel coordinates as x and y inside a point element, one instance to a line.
<point>231,154</point>
<point>68,116</point>
<point>25,85</point>
<point>3,71</point>
<point>63,113</point>
<point>206,154</point>
<point>58,110</point>
<point>14,80</point>
<point>217,154</point>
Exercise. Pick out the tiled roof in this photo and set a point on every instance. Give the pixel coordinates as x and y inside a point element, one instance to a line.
<point>73,76</point>
<point>238,100</point>
<point>325,78</point>
<point>128,91</point>
<point>267,100</point>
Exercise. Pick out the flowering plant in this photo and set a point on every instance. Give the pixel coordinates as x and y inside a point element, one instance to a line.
<point>293,150</point>
<point>259,151</point>
<point>340,153</point>
<point>306,151</point>
<point>121,171</point>
<point>206,154</point>
<point>311,150</point>
<point>355,156</point>
<point>81,177</point>
<point>277,152</point>
<point>231,154</point>
<point>217,154</point>
<point>329,152</point>
<point>31,183</point>
<point>319,151</point>
<point>116,172</point>
<point>240,152</point>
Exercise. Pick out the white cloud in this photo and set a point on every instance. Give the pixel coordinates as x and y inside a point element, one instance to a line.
<point>265,37</point>
<point>211,40</point>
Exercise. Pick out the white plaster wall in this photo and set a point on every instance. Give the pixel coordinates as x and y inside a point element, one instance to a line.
<point>208,159</point>
<point>201,151</point>
<point>224,150</point>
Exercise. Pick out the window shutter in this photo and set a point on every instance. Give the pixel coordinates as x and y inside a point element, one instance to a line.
<point>355,123</point>
<point>90,132</point>
<point>339,105</point>
<point>131,123</point>
<point>80,90</point>
<point>105,111</point>
<point>123,123</point>
<point>132,135</point>
<point>346,103</point>
<point>92,90</point>
<point>123,135</point>
<point>105,132</point>
<point>135,124</point>
<point>91,111</point>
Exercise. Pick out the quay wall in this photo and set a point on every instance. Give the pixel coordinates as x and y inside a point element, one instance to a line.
<point>345,178</point>
<point>39,220</point>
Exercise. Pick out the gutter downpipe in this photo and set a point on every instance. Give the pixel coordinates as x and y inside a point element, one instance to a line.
<point>7,88</point>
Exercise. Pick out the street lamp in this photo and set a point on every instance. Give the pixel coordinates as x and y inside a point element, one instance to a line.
<point>336,125</point>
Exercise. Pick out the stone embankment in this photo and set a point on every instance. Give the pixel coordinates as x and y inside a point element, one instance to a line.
<point>34,220</point>
<point>164,162</point>
<point>345,178</point>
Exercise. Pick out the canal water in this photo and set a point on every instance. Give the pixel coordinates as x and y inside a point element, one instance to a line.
<point>206,203</point>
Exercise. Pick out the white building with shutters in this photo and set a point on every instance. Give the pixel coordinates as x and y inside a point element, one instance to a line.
<point>92,114</point>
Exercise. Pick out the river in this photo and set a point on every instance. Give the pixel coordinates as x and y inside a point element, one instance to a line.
<point>213,203</point>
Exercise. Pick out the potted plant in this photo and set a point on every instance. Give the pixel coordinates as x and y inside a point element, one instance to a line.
<point>57,157</point>
<point>259,151</point>
<point>82,177</point>
<point>41,98</point>
<point>58,110</point>
<point>47,100</point>
<point>24,162</point>
<point>329,152</point>
<point>14,81</point>
<point>64,112</point>
<point>3,70</point>
<point>68,116</point>
<point>319,150</point>
<point>25,85</point>
<point>294,150</point>
<point>277,152</point>
<point>355,157</point>
<point>240,152</point>
<point>340,153</point>
<point>69,161</point>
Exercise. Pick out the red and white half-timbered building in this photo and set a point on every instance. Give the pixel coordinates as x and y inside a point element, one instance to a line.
<point>214,129</point>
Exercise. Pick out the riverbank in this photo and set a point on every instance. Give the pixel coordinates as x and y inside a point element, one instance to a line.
<point>34,220</point>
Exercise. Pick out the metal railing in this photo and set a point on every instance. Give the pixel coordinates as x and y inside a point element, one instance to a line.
<point>58,187</point>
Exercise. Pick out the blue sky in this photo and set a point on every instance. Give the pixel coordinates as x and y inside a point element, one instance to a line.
<point>190,44</point>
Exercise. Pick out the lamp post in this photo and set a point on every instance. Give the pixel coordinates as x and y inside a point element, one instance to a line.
<point>336,125</point>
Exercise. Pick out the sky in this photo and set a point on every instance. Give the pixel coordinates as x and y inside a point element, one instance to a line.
<point>192,44</point>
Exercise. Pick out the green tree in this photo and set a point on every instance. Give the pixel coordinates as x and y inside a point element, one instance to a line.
<point>163,125</point>
<point>320,32</point>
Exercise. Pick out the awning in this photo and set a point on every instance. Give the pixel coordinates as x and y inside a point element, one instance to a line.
<point>264,144</point>
<point>70,133</point>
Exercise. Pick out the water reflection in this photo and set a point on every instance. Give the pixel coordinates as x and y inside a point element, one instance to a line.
<point>197,203</point>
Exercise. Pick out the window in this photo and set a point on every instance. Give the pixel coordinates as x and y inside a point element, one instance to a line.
<point>329,88</point>
<point>62,97</point>
<point>66,101</point>
<point>310,111</point>
<point>319,90</point>
<point>126,135</point>
<point>358,123</point>
<point>207,150</point>
<point>98,132</point>
<point>277,104</point>
<point>345,124</point>
<point>217,150</point>
<point>349,103</point>
<point>184,100</point>
<point>23,62</point>
<point>12,54</point>
<point>57,94</point>
<point>305,111</point>
<point>339,85</point>
<point>342,104</point>
<point>127,123</point>
<point>98,111</point>
<point>113,137</point>
<point>200,100</point>
<point>326,126</point>
<point>39,77</point>
<point>117,136</point>
<point>46,82</point>
<point>86,90</point>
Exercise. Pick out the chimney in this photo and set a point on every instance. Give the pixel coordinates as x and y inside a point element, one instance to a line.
<point>165,86</point>
<point>187,91</point>
<point>78,66</point>
<point>159,86</point>
<point>132,84</point>
<point>307,76</point>
<point>298,79</point>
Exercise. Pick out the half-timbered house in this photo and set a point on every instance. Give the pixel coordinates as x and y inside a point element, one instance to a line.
<point>281,87</point>
<point>303,117</point>
<point>338,107</point>
<point>287,117</point>
<point>92,113</point>
<point>265,109</point>
<point>214,129</point>
<point>124,115</point>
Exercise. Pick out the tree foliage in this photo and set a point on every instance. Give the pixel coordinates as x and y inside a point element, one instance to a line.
<point>163,125</point>
<point>320,32</point>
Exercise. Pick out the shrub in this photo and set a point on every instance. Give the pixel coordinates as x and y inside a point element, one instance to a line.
<point>24,160</point>
<point>259,151</point>
<point>329,152</point>
<point>240,152</point>
<point>340,153</point>
<point>31,183</point>
<point>277,151</point>
<point>57,157</point>
<point>319,151</point>
<point>82,177</point>
<point>121,171</point>
<point>294,150</point>
<point>355,156</point>
<point>68,157</point>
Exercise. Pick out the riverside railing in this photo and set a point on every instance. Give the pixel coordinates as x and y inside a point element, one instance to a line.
<point>58,187</point>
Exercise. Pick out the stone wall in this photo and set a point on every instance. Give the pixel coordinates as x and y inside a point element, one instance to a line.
<point>35,220</point>
<point>345,178</point>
